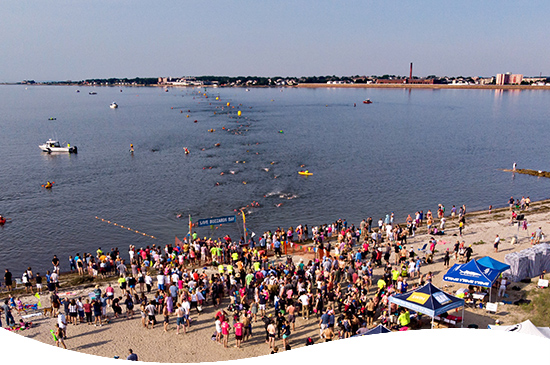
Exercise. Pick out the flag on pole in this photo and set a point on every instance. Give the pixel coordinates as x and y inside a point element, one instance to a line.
<point>178,242</point>
<point>190,225</point>
<point>244,225</point>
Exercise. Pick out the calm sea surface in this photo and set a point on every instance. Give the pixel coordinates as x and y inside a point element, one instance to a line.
<point>409,150</point>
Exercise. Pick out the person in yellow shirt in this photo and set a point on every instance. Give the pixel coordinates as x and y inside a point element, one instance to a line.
<point>404,318</point>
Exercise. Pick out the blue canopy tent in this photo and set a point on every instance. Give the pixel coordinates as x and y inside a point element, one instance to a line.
<point>493,264</point>
<point>429,300</point>
<point>472,273</point>
<point>377,330</point>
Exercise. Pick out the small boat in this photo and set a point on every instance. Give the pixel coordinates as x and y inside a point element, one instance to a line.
<point>306,173</point>
<point>368,101</point>
<point>113,105</point>
<point>54,146</point>
<point>2,221</point>
<point>92,93</point>
<point>48,185</point>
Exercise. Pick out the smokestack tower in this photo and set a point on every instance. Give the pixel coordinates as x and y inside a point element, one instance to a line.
<point>411,72</point>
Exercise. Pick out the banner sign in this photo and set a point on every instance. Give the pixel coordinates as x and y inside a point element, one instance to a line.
<point>216,221</point>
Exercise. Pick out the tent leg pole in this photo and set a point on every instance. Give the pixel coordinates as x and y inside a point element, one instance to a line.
<point>462,324</point>
<point>389,312</point>
<point>432,322</point>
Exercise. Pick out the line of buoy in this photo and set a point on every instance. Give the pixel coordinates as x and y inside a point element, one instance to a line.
<point>127,228</point>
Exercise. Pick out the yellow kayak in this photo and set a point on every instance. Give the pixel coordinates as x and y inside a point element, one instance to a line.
<point>307,173</point>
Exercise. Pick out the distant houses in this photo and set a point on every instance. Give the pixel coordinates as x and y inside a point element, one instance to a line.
<point>277,81</point>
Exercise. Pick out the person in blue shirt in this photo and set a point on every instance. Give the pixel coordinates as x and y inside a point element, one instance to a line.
<point>132,356</point>
<point>277,247</point>
<point>323,323</point>
<point>72,264</point>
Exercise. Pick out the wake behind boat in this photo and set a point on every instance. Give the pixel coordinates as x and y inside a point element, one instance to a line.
<point>54,146</point>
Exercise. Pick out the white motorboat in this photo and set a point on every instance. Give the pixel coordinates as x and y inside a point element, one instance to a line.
<point>54,146</point>
<point>113,105</point>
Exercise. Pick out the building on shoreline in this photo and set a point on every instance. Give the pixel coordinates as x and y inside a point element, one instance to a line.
<point>184,81</point>
<point>509,79</point>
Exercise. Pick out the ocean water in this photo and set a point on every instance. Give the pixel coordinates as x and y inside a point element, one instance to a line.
<point>409,150</point>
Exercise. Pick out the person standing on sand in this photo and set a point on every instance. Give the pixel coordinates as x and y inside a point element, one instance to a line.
<point>7,314</point>
<point>271,329</point>
<point>538,235</point>
<point>166,314</point>
<point>218,324</point>
<point>62,323</point>
<point>150,310</point>
<point>239,327</point>
<point>456,248</point>
<point>497,241</point>
<point>180,321</point>
<point>328,334</point>
<point>469,252</point>
<point>446,258</point>
<point>58,337</point>
<point>502,289</point>
<point>8,281</point>
<point>225,332</point>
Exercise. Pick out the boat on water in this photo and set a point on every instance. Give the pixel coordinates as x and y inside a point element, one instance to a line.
<point>2,220</point>
<point>92,93</point>
<point>306,173</point>
<point>54,146</point>
<point>113,105</point>
<point>367,101</point>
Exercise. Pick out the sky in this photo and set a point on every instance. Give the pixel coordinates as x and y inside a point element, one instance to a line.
<point>58,40</point>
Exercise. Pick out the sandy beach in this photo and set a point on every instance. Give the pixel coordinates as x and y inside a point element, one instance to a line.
<point>196,345</point>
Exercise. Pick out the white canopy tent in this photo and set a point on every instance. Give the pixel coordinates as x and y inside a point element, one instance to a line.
<point>526,327</point>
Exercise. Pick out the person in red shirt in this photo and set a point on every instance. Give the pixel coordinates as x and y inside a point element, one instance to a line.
<point>221,314</point>
<point>238,333</point>
<point>225,333</point>
<point>88,311</point>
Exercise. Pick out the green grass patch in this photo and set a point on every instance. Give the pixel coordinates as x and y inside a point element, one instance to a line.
<point>539,308</point>
<point>480,242</point>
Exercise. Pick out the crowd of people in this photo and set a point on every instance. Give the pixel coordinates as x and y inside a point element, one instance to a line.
<point>345,288</point>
